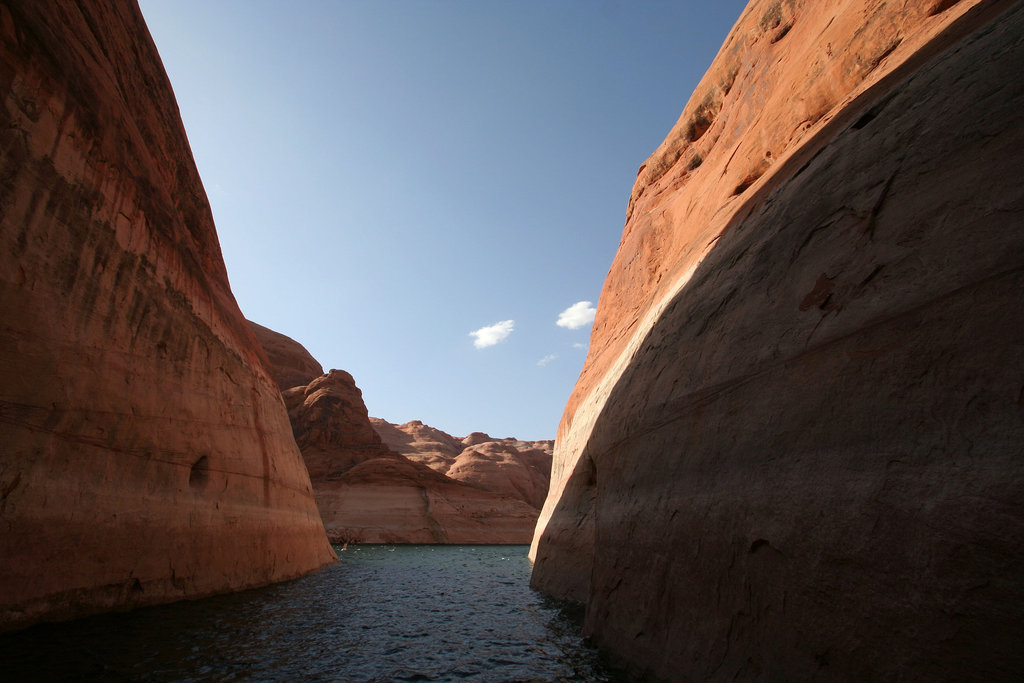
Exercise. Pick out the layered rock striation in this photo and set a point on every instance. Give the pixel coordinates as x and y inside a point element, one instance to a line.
<point>147,455</point>
<point>420,442</point>
<point>521,469</point>
<point>367,492</point>
<point>502,468</point>
<point>291,364</point>
<point>794,451</point>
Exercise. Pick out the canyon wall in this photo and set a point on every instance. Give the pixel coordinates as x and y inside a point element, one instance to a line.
<point>147,454</point>
<point>290,364</point>
<point>795,449</point>
<point>368,493</point>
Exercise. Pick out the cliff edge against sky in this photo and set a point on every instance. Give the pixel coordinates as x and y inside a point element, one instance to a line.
<point>368,493</point>
<point>795,447</point>
<point>147,454</point>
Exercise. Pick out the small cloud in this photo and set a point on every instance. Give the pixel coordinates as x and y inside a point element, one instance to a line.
<point>492,334</point>
<point>576,316</point>
<point>578,345</point>
<point>546,359</point>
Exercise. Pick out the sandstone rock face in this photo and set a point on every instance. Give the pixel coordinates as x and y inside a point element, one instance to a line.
<point>545,445</point>
<point>331,427</point>
<point>795,448</point>
<point>332,415</point>
<point>502,468</point>
<point>476,438</point>
<point>147,456</point>
<point>391,499</point>
<point>420,442</point>
<point>290,363</point>
<point>367,493</point>
<point>521,469</point>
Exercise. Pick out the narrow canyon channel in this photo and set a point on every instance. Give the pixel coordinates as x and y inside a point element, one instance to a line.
<point>381,613</point>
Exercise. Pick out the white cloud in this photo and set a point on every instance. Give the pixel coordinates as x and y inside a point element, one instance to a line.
<point>578,345</point>
<point>492,334</point>
<point>576,316</point>
<point>547,359</point>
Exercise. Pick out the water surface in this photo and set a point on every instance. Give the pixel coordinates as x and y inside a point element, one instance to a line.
<point>382,613</point>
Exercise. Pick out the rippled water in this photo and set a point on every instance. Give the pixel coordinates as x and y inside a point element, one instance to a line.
<point>382,613</point>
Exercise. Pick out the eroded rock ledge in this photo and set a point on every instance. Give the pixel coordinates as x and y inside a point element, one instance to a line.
<point>147,456</point>
<point>795,449</point>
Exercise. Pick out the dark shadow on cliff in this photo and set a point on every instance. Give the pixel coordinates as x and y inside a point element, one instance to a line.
<point>811,466</point>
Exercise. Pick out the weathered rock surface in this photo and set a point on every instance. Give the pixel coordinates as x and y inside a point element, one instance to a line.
<point>367,493</point>
<point>476,438</point>
<point>521,469</point>
<point>545,445</point>
<point>420,442</point>
<point>797,438</point>
<point>391,499</point>
<point>291,365</point>
<point>328,415</point>
<point>147,456</point>
<point>501,467</point>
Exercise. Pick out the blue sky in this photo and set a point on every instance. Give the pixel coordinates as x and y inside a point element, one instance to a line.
<point>390,177</point>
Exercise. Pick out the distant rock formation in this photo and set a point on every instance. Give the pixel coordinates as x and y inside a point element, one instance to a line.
<point>146,454</point>
<point>331,414</point>
<point>502,468</point>
<point>366,492</point>
<point>794,452</point>
<point>476,438</point>
<point>420,443</point>
<point>521,469</point>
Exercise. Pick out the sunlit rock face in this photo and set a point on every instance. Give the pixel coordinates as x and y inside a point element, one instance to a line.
<point>331,426</point>
<point>795,450</point>
<point>147,455</point>
<point>368,493</point>
<point>420,442</point>
<point>290,363</point>
<point>501,467</point>
<point>521,469</point>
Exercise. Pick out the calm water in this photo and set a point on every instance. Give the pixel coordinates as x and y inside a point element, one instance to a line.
<point>382,613</point>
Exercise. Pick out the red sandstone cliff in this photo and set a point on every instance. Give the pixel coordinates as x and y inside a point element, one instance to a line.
<point>368,493</point>
<point>503,468</point>
<point>147,455</point>
<point>796,441</point>
<point>290,363</point>
<point>420,442</point>
<point>521,469</point>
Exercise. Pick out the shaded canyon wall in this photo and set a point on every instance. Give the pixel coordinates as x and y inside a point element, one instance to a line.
<point>795,450</point>
<point>146,453</point>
